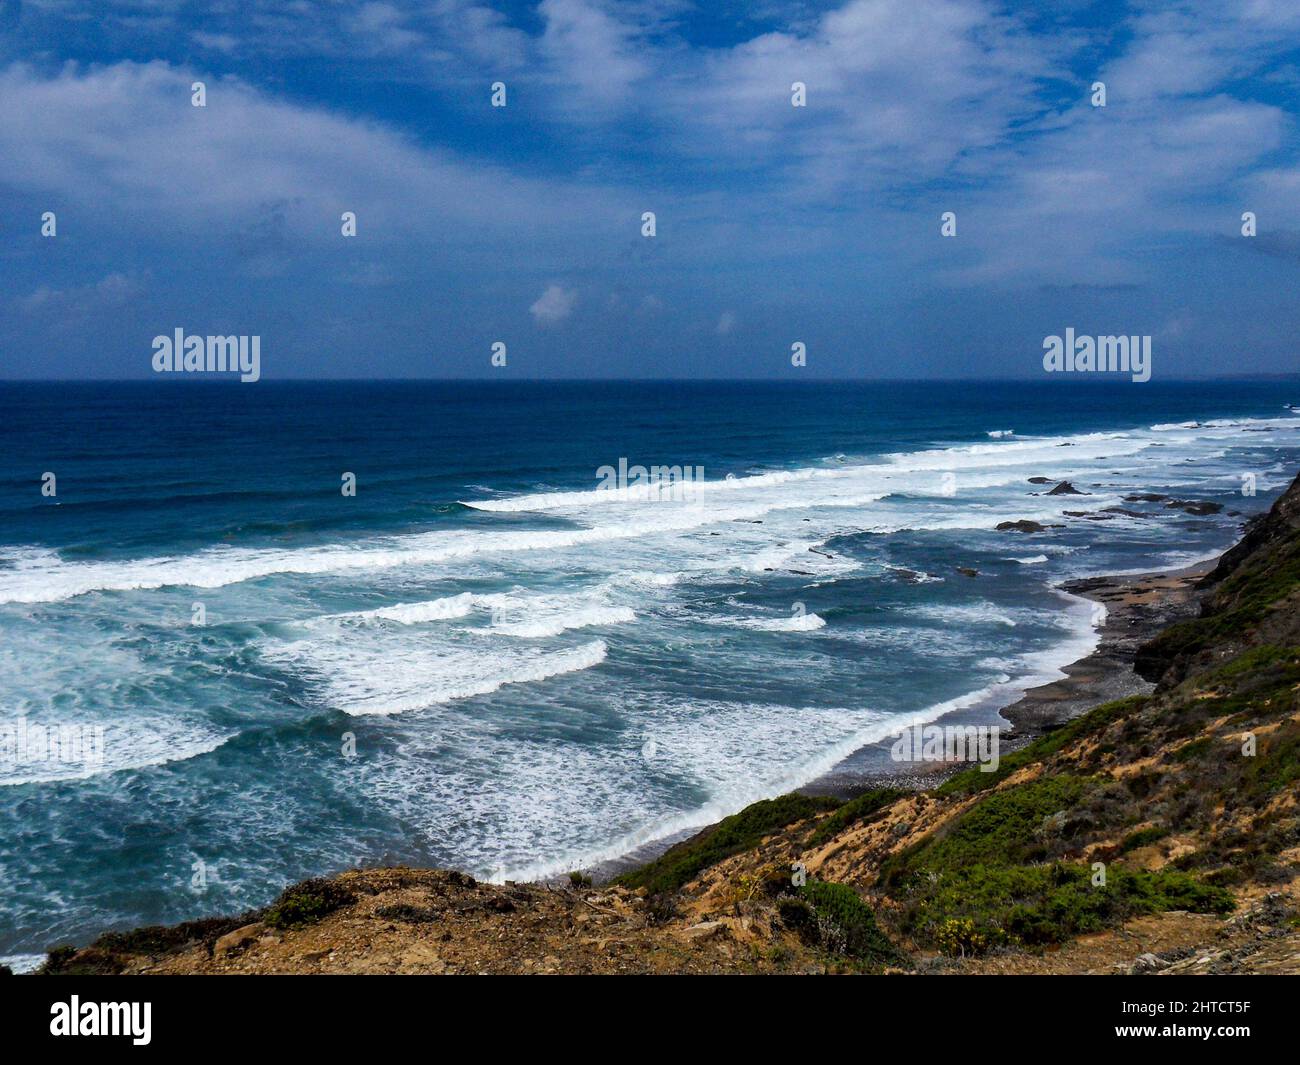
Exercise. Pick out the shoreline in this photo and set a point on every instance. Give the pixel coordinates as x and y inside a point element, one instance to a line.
<point>1138,607</point>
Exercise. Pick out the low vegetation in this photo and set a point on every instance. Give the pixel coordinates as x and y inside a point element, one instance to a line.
<point>853,812</point>
<point>306,903</point>
<point>739,832</point>
<point>834,918</point>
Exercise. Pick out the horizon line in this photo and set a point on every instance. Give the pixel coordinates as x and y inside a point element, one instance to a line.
<point>215,379</point>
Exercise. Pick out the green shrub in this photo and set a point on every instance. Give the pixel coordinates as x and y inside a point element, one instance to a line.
<point>307,902</point>
<point>1142,837</point>
<point>1003,828</point>
<point>981,906</point>
<point>739,832</point>
<point>846,925</point>
<point>958,937</point>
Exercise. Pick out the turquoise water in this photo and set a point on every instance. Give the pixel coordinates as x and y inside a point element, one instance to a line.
<point>480,660</point>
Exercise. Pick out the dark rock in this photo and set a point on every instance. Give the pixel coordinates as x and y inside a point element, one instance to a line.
<point>409,914</point>
<point>1065,488</point>
<point>240,938</point>
<point>1198,507</point>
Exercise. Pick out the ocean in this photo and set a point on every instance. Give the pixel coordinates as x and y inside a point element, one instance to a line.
<point>480,660</point>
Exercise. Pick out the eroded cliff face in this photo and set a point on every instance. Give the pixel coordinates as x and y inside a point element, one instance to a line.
<point>1253,599</point>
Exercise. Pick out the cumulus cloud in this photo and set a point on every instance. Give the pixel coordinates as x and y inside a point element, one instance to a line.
<point>124,139</point>
<point>109,293</point>
<point>554,305</point>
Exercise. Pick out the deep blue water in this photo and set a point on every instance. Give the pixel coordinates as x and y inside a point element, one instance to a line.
<point>534,675</point>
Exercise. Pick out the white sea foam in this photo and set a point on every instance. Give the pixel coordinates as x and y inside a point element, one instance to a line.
<point>22,963</point>
<point>982,613</point>
<point>559,621</point>
<point>391,677</point>
<point>864,488</point>
<point>451,606</point>
<point>743,756</point>
<point>793,623</point>
<point>140,743</point>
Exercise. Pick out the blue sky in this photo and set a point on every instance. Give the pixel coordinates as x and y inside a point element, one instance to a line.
<point>775,224</point>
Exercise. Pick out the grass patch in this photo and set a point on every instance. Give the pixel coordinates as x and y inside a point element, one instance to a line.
<point>1194,751</point>
<point>853,811</point>
<point>972,781</point>
<point>1276,764</point>
<point>971,909</point>
<point>307,902</point>
<point>682,863</point>
<point>1004,828</point>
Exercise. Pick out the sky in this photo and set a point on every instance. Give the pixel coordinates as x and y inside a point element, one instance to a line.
<point>774,224</point>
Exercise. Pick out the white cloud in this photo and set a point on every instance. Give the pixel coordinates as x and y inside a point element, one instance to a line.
<point>125,140</point>
<point>380,28</point>
<point>591,52</point>
<point>554,305</point>
<point>111,292</point>
<point>217,42</point>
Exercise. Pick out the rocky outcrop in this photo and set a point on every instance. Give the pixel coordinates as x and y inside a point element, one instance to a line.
<point>1254,598</point>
